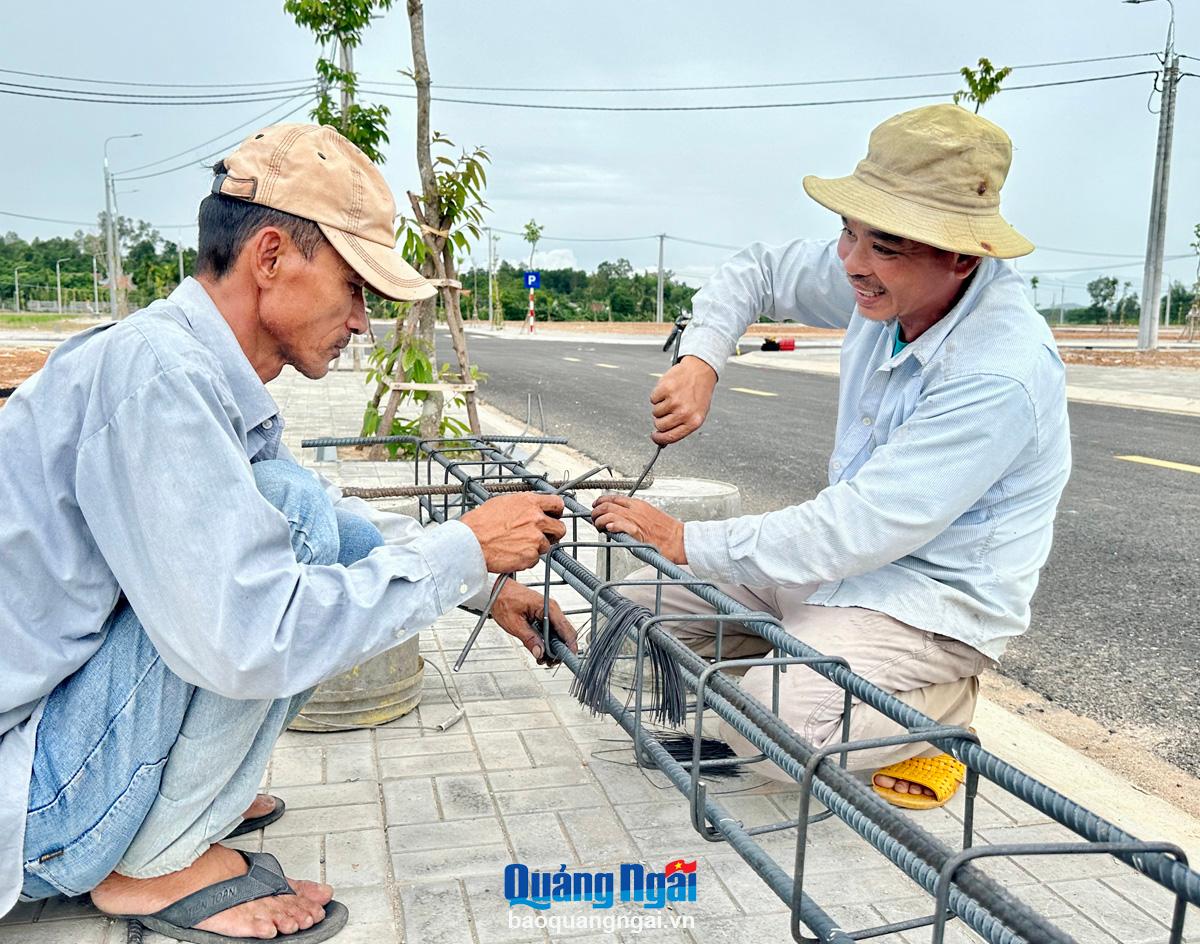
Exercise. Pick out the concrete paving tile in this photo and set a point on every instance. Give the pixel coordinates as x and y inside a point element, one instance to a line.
<point>1050,868</point>
<point>563,776</point>
<point>491,913</point>
<point>1112,912</point>
<point>1152,898</point>
<point>464,797</point>
<point>435,913</point>
<point>409,801</point>
<point>408,725</point>
<point>429,744</point>
<point>451,834</point>
<point>428,765</point>
<point>509,706</point>
<point>625,783</point>
<point>744,885</point>
<point>584,796</point>
<point>368,904</point>
<point>433,864</point>
<point>346,762</point>
<point>356,933</point>
<point>328,794</point>
<point>301,856</point>
<point>297,766</point>
<point>81,931</point>
<point>502,750</point>
<point>472,688</point>
<point>485,724</point>
<point>598,837</point>
<point>538,840</point>
<point>356,858</point>
<point>551,747</point>
<point>517,684</point>
<point>326,820</point>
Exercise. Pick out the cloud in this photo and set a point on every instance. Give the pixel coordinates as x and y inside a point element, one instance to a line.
<point>548,259</point>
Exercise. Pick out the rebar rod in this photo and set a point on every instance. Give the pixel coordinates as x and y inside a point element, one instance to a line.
<point>414,440</point>
<point>495,488</point>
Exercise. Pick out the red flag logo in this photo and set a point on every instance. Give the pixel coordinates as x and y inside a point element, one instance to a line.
<point>678,865</point>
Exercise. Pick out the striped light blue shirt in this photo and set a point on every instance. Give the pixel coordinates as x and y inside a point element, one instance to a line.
<point>125,468</point>
<point>948,461</point>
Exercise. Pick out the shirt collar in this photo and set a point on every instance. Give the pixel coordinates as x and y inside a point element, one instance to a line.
<point>213,331</point>
<point>924,347</point>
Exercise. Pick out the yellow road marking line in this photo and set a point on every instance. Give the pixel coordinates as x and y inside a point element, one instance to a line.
<point>1162,463</point>
<point>653,374</point>
<point>755,393</point>
<point>609,366</point>
<point>573,360</point>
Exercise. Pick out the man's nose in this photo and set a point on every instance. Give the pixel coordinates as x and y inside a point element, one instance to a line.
<point>857,260</point>
<point>358,315</point>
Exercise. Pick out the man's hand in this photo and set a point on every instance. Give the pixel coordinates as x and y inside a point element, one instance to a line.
<point>515,530</point>
<point>680,401</point>
<point>642,522</point>
<point>517,607</point>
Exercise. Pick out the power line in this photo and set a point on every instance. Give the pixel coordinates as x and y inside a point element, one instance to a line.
<point>194,147</point>
<point>90,81</point>
<point>765,85</point>
<point>579,239</point>
<point>47,219</point>
<point>237,96</point>
<point>755,106</point>
<point>1083,252</point>
<point>221,150</point>
<point>1118,265</point>
<point>131,101</point>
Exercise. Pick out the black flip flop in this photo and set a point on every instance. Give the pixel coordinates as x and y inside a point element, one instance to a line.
<point>258,822</point>
<point>264,879</point>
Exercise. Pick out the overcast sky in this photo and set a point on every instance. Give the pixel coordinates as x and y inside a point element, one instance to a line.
<point>1081,170</point>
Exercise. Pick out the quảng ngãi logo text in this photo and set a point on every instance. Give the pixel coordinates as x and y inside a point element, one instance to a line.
<point>632,882</point>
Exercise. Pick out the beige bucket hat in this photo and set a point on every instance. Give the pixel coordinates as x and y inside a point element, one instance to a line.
<point>313,172</point>
<point>932,174</point>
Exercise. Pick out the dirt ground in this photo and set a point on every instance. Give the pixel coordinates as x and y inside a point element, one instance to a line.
<point>17,363</point>
<point>1173,359</point>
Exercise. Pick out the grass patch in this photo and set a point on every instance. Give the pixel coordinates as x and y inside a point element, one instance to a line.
<point>51,321</point>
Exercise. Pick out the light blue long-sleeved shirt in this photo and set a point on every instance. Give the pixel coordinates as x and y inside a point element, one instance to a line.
<point>125,468</point>
<point>948,462</point>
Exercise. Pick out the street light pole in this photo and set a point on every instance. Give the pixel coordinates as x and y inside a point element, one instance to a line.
<point>58,279</point>
<point>658,311</point>
<point>95,287</point>
<point>17,284</point>
<point>1152,272</point>
<point>114,261</point>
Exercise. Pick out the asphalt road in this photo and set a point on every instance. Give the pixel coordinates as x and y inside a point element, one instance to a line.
<point>1116,622</point>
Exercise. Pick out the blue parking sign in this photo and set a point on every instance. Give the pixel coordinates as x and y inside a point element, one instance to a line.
<point>533,280</point>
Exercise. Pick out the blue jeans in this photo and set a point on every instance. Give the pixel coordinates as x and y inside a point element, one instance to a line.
<point>137,771</point>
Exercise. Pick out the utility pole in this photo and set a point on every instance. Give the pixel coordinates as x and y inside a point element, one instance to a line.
<point>346,62</point>
<point>17,285</point>
<point>110,199</point>
<point>95,287</point>
<point>658,312</point>
<point>179,246</point>
<point>1152,273</point>
<point>58,280</point>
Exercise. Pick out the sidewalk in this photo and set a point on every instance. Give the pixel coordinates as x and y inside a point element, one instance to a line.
<point>414,827</point>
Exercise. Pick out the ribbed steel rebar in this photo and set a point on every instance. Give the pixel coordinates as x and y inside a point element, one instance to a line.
<point>413,440</point>
<point>494,488</point>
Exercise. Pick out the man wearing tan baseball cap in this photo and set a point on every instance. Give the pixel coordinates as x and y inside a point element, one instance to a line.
<point>918,562</point>
<point>176,584</point>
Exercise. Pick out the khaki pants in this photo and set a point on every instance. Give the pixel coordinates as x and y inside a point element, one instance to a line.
<point>934,674</point>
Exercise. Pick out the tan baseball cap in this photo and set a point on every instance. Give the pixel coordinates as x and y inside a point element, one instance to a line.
<point>313,172</point>
<point>932,174</point>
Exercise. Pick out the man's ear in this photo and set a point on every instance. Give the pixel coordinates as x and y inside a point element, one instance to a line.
<point>964,265</point>
<point>265,249</point>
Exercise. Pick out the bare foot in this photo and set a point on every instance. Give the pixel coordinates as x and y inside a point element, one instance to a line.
<point>264,917</point>
<point>902,786</point>
<point>262,805</point>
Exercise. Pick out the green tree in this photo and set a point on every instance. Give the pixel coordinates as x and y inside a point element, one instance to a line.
<point>1033,284</point>
<point>1102,290</point>
<point>982,84</point>
<point>341,23</point>
<point>533,233</point>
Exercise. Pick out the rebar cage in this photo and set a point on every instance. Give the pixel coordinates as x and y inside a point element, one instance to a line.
<point>455,475</point>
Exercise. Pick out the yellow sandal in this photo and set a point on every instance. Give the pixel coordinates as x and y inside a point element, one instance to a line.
<point>941,774</point>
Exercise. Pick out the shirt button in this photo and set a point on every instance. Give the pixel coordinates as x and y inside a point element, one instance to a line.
<point>462,588</point>
<point>267,424</point>
<point>866,421</point>
<point>837,467</point>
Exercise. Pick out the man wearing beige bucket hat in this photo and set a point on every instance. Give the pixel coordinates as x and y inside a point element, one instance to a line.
<point>175,584</point>
<point>918,562</point>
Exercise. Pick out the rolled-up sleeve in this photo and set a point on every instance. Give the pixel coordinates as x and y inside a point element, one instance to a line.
<point>962,437</point>
<point>207,565</point>
<point>801,281</point>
